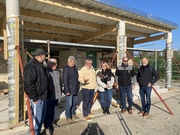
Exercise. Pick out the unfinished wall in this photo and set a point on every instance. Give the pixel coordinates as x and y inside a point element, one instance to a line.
<point>3,63</point>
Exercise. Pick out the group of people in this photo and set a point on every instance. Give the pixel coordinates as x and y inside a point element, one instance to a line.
<point>126,78</point>
<point>43,86</point>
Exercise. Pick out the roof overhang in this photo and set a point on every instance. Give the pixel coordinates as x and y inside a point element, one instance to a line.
<point>85,21</point>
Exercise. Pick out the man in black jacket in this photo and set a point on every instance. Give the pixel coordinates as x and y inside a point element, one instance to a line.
<point>124,76</point>
<point>71,88</point>
<point>35,86</point>
<point>146,77</point>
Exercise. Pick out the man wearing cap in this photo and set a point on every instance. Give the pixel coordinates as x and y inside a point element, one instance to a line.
<point>35,86</point>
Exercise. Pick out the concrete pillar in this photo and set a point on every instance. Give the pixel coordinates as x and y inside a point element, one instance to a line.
<point>130,45</point>
<point>63,57</point>
<point>12,27</point>
<point>121,41</point>
<point>73,52</point>
<point>169,56</point>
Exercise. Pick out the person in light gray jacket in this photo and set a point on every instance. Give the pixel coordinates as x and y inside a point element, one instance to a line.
<point>54,93</point>
<point>105,81</point>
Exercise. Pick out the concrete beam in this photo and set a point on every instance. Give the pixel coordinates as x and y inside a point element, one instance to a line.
<point>159,37</point>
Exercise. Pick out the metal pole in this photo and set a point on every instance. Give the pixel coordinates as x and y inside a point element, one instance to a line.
<point>12,13</point>
<point>48,44</point>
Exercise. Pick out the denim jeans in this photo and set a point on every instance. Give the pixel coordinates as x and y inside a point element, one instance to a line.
<point>105,98</point>
<point>126,90</point>
<point>145,94</point>
<point>71,102</point>
<point>38,114</point>
<point>88,96</point>
<point>50,112</point>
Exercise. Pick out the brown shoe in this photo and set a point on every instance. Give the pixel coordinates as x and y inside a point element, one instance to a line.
<point>130,112</point>
<point>141,113</point>
<point>91,115</point>
<point>70,121</point>
<point>87,118</point>
<point>75,117</point>
<point>123,111</point>
<point>146,114</point>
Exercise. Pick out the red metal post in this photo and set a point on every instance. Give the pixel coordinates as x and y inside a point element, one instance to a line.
<point>26,96</point>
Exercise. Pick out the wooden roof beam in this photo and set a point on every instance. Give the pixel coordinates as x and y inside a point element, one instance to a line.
<point>137,33</point>
<point>31,34</point>
<point>51,29</point>
<point>101,42</point>
<point>96,34</point>
<point>99,13</point>
<point>46,16</point>
<point>150,39</point>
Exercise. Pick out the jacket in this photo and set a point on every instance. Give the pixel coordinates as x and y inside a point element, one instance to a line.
<point>70,80</point>
<point>35,80</point>
<point>55,83</point>
<point>125,75</point>
<point>105,79</point>
<point>90,74</point>
<point>146,76</point>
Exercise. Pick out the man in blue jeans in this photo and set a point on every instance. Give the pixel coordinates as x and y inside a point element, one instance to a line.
<point>71,88</point>
<point>124,76</point>
<point>146,77</point>
<point>35,86</point>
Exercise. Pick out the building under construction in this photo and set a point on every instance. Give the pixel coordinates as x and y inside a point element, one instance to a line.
<point>93,29</point>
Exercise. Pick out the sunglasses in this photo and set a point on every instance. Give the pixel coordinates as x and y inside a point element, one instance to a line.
<point>125,60</point>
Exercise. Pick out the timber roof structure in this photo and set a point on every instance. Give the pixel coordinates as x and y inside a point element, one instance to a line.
<point>86,21</point>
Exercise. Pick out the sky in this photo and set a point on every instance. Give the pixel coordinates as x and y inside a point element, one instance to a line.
<point>165,9</point>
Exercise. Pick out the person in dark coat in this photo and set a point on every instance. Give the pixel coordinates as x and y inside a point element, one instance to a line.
<point>125,77</point>
<point>35,86</point>
<point>147,76</point>
<point>71,88</point>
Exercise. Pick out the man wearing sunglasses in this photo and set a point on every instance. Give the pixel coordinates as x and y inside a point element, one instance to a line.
<point>125,78</point>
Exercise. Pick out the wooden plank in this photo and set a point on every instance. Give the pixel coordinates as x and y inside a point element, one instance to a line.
<point>5,45</point>
<point>17,72</point>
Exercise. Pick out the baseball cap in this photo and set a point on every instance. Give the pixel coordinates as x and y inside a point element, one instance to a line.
<point>40,51</point>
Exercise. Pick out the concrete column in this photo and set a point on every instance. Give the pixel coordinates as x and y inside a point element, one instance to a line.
<point>73,51</point>
<point>12,27</point>
<point>130,45</point>
<point>121,41</point>
<point>169,56</point>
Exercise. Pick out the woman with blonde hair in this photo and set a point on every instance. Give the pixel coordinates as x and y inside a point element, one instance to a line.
<point>105,81</point>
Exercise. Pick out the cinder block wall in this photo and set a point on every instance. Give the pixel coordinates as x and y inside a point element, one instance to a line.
<point>3,63</point>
